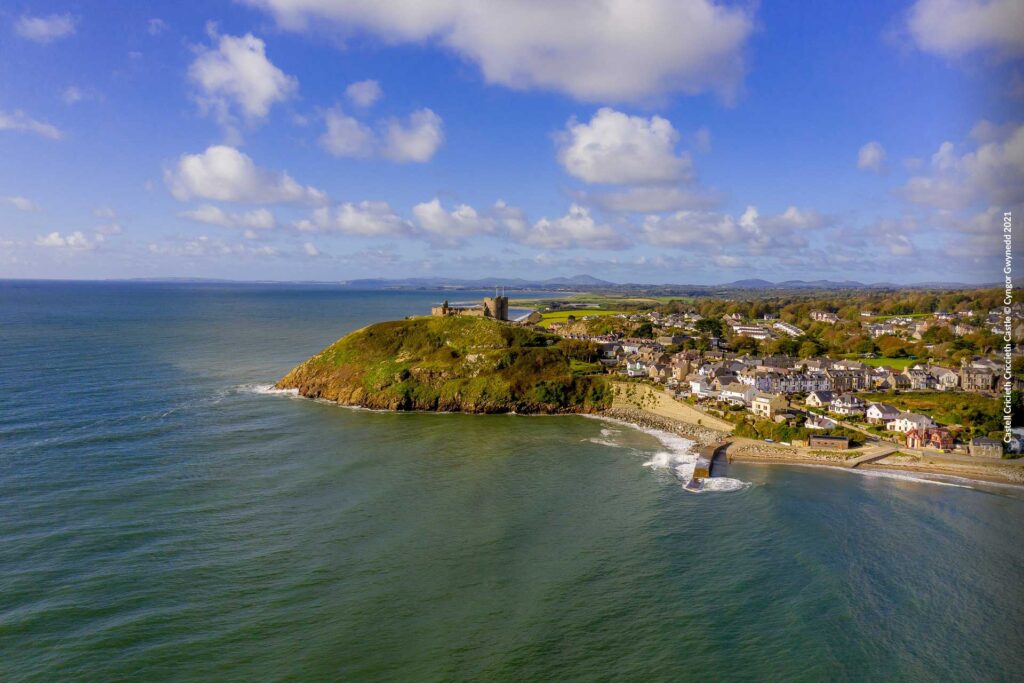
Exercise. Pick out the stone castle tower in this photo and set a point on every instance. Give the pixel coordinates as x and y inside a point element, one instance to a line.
<point>496,307</point>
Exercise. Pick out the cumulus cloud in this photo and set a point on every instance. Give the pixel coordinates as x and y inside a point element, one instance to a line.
<point>610,51</point>
<point>310,250</point>
<point>991,173</point>
<point>416,140</point>
<point>871,156</point>
<point>347,137</point>
<point>258,219</point>
<point>620,149</point>
<point>19,203</point>
<point>364,93</point>
<point>235,79</point>
<point>756,234</point>
<point>156,26</point>
<point>20,121</point>
<point>45,29</point>
<point>366,219</point>
<point>75,241</point>
<point>952,28</point>
<point>576,229</point>
<point>223,173</point>
<point>450,226</point>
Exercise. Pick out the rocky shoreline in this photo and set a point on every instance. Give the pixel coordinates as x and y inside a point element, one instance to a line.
<point>641,418</point>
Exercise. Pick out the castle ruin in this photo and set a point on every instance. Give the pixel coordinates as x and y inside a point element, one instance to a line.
<point>495,307</point>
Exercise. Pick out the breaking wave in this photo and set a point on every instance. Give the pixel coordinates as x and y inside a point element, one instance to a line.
<point>678,458</point>
<point>267,390</point>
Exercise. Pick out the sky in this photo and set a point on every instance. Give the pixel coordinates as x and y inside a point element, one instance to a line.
<point>647,141</point>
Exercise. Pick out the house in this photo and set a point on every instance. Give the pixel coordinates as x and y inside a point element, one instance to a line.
<point>637,368</point>
<point>847,404</point>
<point>819,399</point>
<point>839,443</point>
<point>984,447</point>
<point>737,393</point>
<point>700,388</point>
<point>787,328</point>
<point>880,413</point>
<point>919,378</point>
<point>824,317</point>
<point>897,380</point>
<point>939,439</point>
<point>752,331</point>
<point>768,405</point>
<point>945,379</point>
<point>977,376</point>
<point>819,422</point>
<point>908,421</point>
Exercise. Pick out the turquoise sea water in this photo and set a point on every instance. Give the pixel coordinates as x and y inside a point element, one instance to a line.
<point>164,517</point>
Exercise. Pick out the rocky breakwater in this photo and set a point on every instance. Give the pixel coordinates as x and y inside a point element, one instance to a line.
<point>642,418</point>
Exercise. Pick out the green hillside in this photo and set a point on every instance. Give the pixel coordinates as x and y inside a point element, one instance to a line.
<point>454,364</point>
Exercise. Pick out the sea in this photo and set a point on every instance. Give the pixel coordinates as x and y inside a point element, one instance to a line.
<point>165,515</point>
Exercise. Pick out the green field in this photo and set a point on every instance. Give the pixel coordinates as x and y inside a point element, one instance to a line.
<point>563,315</point>
<point>898,363</point>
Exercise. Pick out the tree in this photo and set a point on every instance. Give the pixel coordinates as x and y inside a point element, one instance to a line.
<point>709,326</point>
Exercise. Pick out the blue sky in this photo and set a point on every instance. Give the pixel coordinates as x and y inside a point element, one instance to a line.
<point>643,141</point>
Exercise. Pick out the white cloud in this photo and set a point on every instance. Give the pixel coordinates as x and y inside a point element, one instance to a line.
<point>235,77</point>
<point>415,141</point>
<point>76,241</point>
<point>223,173</point>
<point>788,230</point>
<point>259,219</point>
<point>462,221</point>
<point>992,173</point>
<point>310,249</point>
<point>45,29</point>
<point>871,156</point>
<point>347,137</point>
<point>366,218</point>
<point>364,93</point>
<point>20,203</point>
<point>620,149</point>
<point>20,121</point>
<point>74,94</point>
<point>156,26</point>
<point>615,50</point>
<point>952,28</point>
<point>575,230</point>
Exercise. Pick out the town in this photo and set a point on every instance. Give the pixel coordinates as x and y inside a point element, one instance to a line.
<point>922,380</point>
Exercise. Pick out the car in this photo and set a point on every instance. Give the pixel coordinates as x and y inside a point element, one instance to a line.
<point>769,440</point>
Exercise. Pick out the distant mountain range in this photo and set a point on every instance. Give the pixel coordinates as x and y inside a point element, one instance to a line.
<point>588,283</point>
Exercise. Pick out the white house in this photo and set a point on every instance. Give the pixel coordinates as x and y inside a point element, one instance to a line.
<point>881,413</point>
<point>819,399</point>
<point>907,421</point>
<point>740,394</point>
<point>847,404</point>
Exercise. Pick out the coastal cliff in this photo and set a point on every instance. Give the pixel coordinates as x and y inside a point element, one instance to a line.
<point>455,363</point>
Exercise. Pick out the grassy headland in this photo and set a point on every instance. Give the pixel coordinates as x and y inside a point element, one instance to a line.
<point>454,364</point>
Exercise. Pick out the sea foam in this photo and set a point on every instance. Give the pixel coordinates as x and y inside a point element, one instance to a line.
<point>678,458</point>
<point>267,390</point>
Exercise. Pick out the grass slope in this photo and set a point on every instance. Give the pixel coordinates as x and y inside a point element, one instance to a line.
<point>456,364</point>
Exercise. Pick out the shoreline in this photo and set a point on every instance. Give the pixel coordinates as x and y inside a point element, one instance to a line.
<point>742,449</point>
